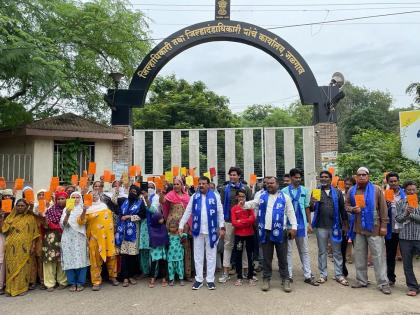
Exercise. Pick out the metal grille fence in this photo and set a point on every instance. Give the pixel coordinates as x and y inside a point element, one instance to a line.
<point>262,151</point>
<point>14,166</point>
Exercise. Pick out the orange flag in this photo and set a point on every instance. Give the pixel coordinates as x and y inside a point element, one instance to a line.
<point>29,195</point>
<point>389,195</point>
<point>2,183</point>
<point>252,179</point>
<point>334,181</point>
<point>88,200</point>
<point>360,201</point>
<point>195,181</point>
<point>42,206</point>
<point>132,171</point>
<point>92,168</point>
<point>413,201</point>
<point>175,171</point>
<point>83,182</point>
<point>332,170</point>
<point>159,183</point>
<point>74,179</point>
<point>54,183</point>
<point>47,196</point>
<point>138,170</point>
<point>19,183</point>
<point>6,205</point>
<point>107,176</point>
<point>191,171</point>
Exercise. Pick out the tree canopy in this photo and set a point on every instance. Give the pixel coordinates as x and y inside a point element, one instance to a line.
<point>55,55</point>
<point>176,103</point>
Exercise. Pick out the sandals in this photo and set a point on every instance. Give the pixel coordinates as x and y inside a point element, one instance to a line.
<point>181,283</point>
<point>342,281</point>
<point>80,288</point>
<point>73,288</point>
<point>164,283</point>
<point>171,283</point>
<point>152,283</point>
<point>238,282</point>
<point>321,280</point>
<point>96,288</point>
<point>252,282</point>
<point>125,283</point>
<point>132,281</point>
<point>411,293</point>
<point>114,282</point>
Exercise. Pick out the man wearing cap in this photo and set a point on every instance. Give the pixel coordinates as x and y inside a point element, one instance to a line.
<point>368,227</point>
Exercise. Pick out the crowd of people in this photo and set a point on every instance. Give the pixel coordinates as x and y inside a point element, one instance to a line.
<point>170,235</point>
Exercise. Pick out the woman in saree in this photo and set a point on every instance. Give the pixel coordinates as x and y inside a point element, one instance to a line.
<point>21,233</point>
<point>174,204</point>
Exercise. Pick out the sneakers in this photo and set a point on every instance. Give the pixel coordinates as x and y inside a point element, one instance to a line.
<point>266,285</point>
<point>224,278</point>
<point>197,285</point>
<point>287,286</point>
<point>386,289</point>
<point>211,286</point>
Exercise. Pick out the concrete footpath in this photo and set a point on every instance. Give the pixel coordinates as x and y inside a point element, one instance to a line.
<point>329,298</point>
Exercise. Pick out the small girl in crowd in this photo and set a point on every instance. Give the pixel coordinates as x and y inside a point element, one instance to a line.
<point>176,253</point>
<point>158,242</point>
<point>243,221</point>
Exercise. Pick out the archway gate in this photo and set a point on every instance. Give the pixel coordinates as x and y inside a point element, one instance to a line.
<point>263,151</point>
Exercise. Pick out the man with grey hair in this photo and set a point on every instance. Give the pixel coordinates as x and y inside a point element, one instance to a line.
<point>368,226</point>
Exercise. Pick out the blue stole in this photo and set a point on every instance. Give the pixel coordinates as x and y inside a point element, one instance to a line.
<point>367,213</point>
<point>126,230</point>
<point>277,223</point>
<point>300,213</point>
<point>336,228</point>
<point>211,207</point>
<point>389,225</point>
<point>226,200</point>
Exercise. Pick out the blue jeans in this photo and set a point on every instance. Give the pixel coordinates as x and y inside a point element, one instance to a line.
<point>322,236</point>
<point>76,276</point>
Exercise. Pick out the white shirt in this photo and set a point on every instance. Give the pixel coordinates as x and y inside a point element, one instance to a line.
<point>204,229</point>
<point>289,212</point>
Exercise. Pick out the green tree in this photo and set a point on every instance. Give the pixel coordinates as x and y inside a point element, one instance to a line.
<point>55,55</point>
<point>364,109</point>
<point>176,103</point>
<point>380,152</point>
<point>414,90</point>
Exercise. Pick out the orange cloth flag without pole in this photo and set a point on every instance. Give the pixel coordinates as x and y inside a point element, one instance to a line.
<point>334,181</point>
<point>191,171</point>
<point>88,200</point>
<point>54,183</point>
<point>175,171</point>
<point>92,168</point>
<point>42,206</point>
<point>132,172</point>
<point>47,196</point>
<point>332,170</point>
<point>195,181</point>
<point>6,205</point>
<point>74,179</point>
<point>389,195</point>
<point>19,183</point>
<point>360,201</point>
<point>83,182</point>
<point>159,183</point>
<point>252,179</point>
<point>2,183</point>
<point>29,195</point>
<point>413,201</point>
<point>341,185</point>
<point>107,176</point>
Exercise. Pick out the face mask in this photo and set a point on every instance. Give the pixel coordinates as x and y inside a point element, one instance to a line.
<point>150,191</point>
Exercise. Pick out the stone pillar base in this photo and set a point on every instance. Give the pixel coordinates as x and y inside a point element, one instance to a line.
<point>326,145</point>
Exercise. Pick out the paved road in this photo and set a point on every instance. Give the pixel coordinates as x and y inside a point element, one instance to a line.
<point>330,298</point>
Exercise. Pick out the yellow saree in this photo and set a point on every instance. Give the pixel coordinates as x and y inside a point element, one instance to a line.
<point>20,230</point>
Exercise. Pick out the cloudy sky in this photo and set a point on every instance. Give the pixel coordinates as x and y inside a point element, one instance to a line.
<point>378,53</point>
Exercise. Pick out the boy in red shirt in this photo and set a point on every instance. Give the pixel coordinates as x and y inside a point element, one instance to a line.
<point>243,221</point>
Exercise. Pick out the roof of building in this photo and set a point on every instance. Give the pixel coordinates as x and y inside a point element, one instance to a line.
<point>68,125</point>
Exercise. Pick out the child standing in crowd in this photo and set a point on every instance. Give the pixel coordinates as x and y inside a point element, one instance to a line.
<point>243,221</point>
<point>175,253</point>
<point>158,242</point>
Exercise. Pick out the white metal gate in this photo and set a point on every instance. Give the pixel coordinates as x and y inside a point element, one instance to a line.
<point>262,151</point>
